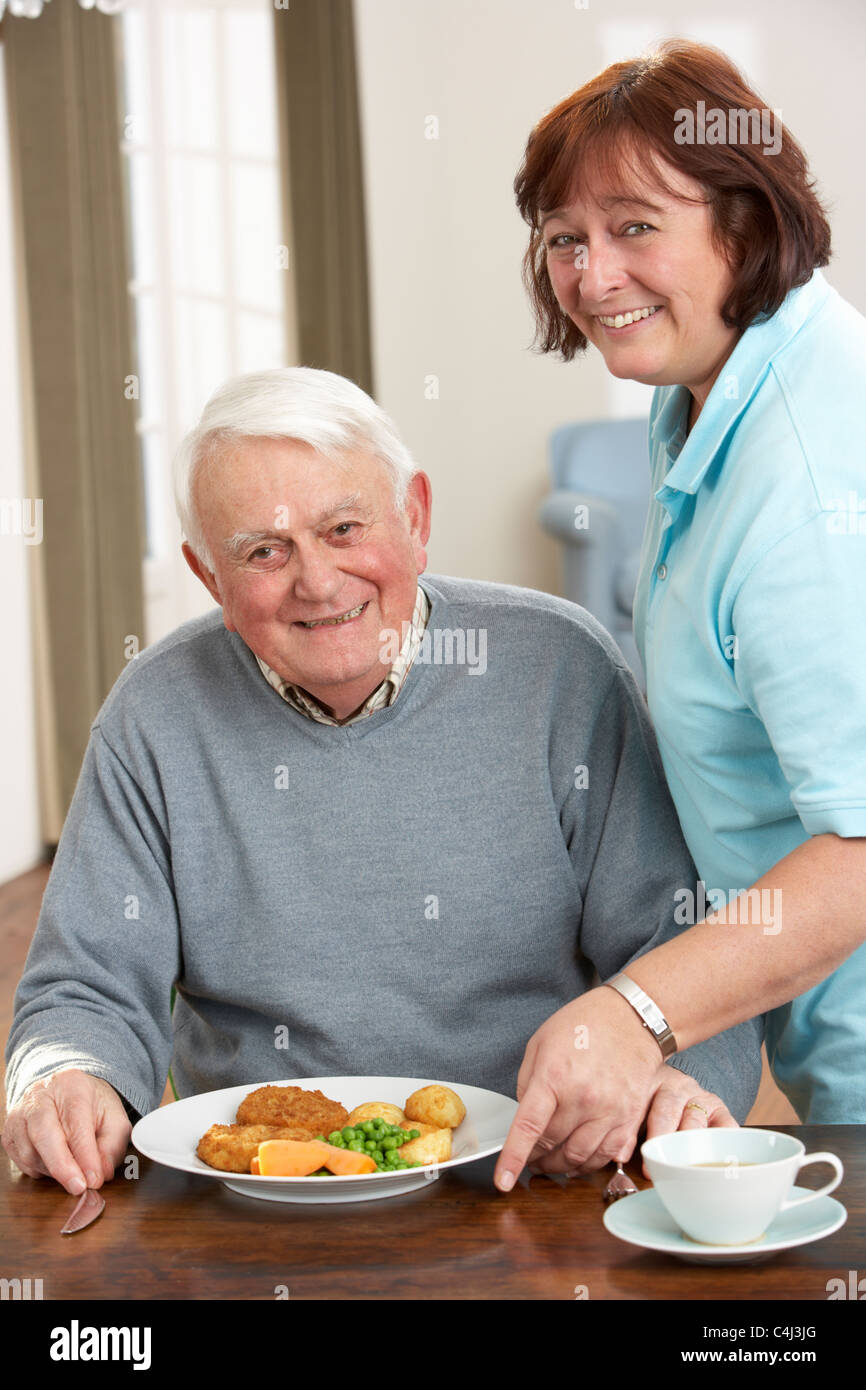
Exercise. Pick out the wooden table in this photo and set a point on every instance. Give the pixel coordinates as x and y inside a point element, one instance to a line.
<point>170,1235</point>
<point>169,1244</point>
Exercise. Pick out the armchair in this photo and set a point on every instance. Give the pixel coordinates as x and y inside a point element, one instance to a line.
<point>597,511</point>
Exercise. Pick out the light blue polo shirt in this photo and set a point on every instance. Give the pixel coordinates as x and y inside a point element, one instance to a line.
<point>750,619</point>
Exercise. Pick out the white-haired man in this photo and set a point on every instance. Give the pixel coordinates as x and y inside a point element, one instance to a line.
<point>349,854</point>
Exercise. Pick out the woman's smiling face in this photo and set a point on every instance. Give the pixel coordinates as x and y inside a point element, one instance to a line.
<point>608,254</point>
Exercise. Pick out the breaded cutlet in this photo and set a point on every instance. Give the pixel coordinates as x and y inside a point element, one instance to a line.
<point>230,1147</point>
<point>292,1105</point>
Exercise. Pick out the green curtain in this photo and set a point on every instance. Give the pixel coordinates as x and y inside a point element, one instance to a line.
<point>323,189</point>
<point>77,358</point>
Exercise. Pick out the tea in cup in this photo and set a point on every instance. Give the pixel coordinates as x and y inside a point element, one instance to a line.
<point>725,1186</point>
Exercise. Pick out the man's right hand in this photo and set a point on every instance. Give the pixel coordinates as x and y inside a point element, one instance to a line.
<point>70,1126</point>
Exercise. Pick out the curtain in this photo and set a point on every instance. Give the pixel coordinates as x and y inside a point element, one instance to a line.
<point>78,375</point>
<point>323,189</point>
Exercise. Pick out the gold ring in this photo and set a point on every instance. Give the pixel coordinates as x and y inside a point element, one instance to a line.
<point>693,1105</point>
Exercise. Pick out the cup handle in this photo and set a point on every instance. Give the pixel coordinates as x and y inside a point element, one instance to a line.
<point>822,1191</point>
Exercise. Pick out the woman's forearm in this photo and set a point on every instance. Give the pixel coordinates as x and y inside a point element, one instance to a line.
<point>810,917</point>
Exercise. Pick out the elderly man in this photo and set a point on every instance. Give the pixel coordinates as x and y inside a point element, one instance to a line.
<point>361,824</point>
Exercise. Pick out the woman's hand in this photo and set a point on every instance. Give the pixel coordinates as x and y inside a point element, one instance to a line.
<point>681,1103</point>
<point>590,1076</point>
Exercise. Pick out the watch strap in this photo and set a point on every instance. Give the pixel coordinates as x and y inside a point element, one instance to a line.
<point>649,1012</point>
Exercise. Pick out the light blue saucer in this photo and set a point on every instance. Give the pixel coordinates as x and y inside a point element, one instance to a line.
<point>642,1220</point>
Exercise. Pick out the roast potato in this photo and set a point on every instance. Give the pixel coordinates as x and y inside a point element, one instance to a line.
<point>433,1146</point>
<point>435,1105</point>
<point>377,1109</point>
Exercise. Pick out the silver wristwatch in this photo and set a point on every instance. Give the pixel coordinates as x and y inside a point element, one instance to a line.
<point>650,1013</point>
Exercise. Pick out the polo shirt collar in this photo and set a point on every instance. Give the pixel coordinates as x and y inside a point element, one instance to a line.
<point>747,365</point>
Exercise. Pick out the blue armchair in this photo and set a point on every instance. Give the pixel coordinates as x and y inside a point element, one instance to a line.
<point>597,511</point>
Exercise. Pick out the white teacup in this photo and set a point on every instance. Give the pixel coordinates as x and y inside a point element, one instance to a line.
<point>733,1201</point>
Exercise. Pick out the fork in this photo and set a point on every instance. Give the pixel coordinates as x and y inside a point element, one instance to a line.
<point>620,1185</point>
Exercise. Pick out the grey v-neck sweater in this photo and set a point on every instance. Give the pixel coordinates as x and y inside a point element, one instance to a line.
<point>410,895</point>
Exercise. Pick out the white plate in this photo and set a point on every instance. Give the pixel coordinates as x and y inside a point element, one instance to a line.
<point>641,1219</point>
<point>170,1136</point>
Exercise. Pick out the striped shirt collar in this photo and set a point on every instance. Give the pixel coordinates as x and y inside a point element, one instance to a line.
<point>384,694</point>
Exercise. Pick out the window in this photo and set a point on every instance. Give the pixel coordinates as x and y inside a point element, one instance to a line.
<point>203,182</point>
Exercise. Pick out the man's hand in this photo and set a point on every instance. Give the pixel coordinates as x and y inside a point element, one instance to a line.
<point>70,1126</point>
<point>590,1076</point>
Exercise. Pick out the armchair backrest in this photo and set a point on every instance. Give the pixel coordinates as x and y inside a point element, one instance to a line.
<point>611,459</point>
<point>605,465</point>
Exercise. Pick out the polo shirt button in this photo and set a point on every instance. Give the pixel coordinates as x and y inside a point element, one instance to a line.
<point>662,571</point>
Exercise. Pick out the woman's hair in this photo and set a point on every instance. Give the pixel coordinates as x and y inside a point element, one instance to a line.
<point>766,219</point>
<point>328,412</point>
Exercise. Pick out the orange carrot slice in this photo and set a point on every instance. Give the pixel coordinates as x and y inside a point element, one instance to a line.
<point>298,1158</point>
<point>344,1161</point>
<point>291,1158</point>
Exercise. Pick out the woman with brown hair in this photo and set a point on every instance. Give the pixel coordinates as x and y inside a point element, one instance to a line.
<point>674,226</point>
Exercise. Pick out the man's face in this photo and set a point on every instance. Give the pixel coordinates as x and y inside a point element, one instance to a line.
<point>297,539</point>
<point>654,253</point>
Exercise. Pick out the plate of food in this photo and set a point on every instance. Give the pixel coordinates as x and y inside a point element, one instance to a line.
<point>327,1138</point>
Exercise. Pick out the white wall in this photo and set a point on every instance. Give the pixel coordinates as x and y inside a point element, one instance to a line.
<point>20,840</point>
<point>446,240</point>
